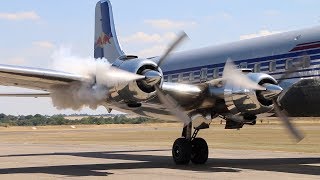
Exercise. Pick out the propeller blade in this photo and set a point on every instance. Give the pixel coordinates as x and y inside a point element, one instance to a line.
<point>173,106</point>
<point>110,76</point>
<point>182,36</point>
<point>235,77</point>
<point>285,119</point>
<point>167,100</point>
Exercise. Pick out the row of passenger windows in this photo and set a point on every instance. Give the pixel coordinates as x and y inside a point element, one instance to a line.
<point>289,63</point>
<point>191,76</point>
<point>305,62</point>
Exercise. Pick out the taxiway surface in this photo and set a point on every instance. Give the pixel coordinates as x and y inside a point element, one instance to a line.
<point>49,161</point>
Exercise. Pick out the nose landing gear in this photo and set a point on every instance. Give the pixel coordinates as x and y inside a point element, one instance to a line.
<point>189,147</point>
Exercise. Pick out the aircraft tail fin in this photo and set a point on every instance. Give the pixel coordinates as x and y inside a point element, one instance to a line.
<point>106,42</point>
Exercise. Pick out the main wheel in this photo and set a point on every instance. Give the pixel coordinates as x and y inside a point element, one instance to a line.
<point>200,151</point>
<point>181,151</point>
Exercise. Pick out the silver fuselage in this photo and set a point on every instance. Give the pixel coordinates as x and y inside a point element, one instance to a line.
<point>272,55</point>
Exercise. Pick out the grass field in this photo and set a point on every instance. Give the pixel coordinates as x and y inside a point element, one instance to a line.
<point>267,136</point>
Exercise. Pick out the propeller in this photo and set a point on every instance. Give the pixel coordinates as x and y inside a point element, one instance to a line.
<point>169,102</point>
<point>109,76</point>
<point>181,37</point>
<point>298,135</point>
<point>173,106</point>
<point>235,77</point>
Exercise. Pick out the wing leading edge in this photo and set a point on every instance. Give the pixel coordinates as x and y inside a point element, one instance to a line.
<point>36,78</point>
<point>35,95</point>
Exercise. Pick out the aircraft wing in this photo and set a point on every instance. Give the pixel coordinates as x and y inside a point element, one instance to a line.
<point>35,95</point>
<point>35,78</point>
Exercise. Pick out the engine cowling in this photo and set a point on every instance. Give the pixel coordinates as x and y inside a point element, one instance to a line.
<point>242,101</point>
<point>134,92</point>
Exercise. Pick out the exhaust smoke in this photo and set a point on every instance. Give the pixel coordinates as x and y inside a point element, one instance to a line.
<point>93,93</point>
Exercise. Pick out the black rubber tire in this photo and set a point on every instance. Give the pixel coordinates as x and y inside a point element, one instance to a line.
<point>200,151</point>
<point>181,151</point>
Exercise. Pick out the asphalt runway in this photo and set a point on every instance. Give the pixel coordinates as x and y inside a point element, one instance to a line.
<point>48,161</point>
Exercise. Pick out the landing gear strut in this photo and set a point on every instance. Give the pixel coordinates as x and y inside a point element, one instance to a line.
<point>189,147</point>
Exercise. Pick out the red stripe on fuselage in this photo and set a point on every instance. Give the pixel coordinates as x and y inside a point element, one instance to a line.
<point>305,47</point>
<point>309,43</point>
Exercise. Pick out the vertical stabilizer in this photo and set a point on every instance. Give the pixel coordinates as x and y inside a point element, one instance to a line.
<point>106,44</point>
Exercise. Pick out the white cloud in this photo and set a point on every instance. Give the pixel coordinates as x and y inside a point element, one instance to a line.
<point>259,34</point>
<point>28,15</point>
<point>169,24</point>
<point>43,44</point>
<point>142,37</point>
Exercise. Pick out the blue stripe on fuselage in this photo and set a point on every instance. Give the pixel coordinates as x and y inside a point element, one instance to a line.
<point>280,59</point>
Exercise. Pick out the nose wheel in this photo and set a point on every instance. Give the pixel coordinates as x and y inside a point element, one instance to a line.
<point>189,148</point>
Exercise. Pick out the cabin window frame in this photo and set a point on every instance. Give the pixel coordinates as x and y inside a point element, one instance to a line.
<point>215,73</point>
<point>243,65</point>
<point>170,78</point>
<point>191,76</point>
<point>257,67</point>
<point>180,77</point>
<point>288,63</point>
<point>203,74</point>
<point>272,66</point>
<point>306,61</point>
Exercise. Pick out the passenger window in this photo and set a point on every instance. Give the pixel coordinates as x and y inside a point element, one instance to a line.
<point>288,64</point>
<point>257,67</point>
<point>170,78</point>
<point>203,74</point>
<point>215,73</point>
<point>191,76</point>
<point>243,65</point>
<point>272,66</point>
<point>306,61</point>
<point>180,77</point>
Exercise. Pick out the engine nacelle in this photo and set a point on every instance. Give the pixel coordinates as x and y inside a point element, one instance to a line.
<point>242,101</point>
<point>134,92</point>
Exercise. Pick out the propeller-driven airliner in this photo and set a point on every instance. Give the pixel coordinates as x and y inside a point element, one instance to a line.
<point>239,82</point>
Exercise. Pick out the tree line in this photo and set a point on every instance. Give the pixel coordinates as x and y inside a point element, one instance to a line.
<point>40,120</point>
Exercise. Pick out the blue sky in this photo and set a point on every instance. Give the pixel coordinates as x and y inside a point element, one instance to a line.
<point>32,30</point>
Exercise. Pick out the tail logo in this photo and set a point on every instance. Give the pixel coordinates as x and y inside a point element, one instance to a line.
<point>103,40</point>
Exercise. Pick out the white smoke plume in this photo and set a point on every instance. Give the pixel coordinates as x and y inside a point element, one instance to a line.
<point>92,94</point>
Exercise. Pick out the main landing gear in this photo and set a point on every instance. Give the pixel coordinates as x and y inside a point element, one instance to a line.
<point>189,147</point>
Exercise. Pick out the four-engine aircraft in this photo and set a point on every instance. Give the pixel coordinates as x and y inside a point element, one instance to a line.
<point>238,82</point>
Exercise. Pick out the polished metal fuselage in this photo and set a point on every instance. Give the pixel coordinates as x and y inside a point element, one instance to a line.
<point>251,52</point>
